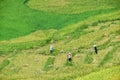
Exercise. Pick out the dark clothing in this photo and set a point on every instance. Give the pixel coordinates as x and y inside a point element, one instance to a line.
<point>51,48</point>
<point>51,51</point>
<point>69,59</point>
<point>96,51</point>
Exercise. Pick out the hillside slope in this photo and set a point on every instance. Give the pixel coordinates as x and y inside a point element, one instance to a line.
<point>38,64</point>
<point>28,57</point>
<point>17,19</point>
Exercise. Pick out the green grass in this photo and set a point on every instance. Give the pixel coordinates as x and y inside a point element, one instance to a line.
<point>68,63</point>
<point>108,56</point>
<point>49,63</point>
<point>17,19</point>
<point>70,26</point>
<point>106,74</point>
<point>55,68</point>
<point>71,6</point>
<point>4,64</point>
<point>89,58</point>
<point>10,47</point>
<point>79,32</point>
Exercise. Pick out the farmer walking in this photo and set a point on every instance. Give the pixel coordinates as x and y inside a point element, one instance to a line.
<point>95,49</point>
<point>51,48</point>
<point>69,57</point>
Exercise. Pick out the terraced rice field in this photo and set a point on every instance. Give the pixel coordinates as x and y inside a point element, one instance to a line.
<point>28,27</point>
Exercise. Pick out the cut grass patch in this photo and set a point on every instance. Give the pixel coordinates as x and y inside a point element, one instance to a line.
<point>4,64</point>
<point>49,63</point>
<point>108,56</point>
<point>89,58</point>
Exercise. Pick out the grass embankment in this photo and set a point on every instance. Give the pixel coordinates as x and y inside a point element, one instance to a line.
<point>106,74</point>
<point>70,6</point>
